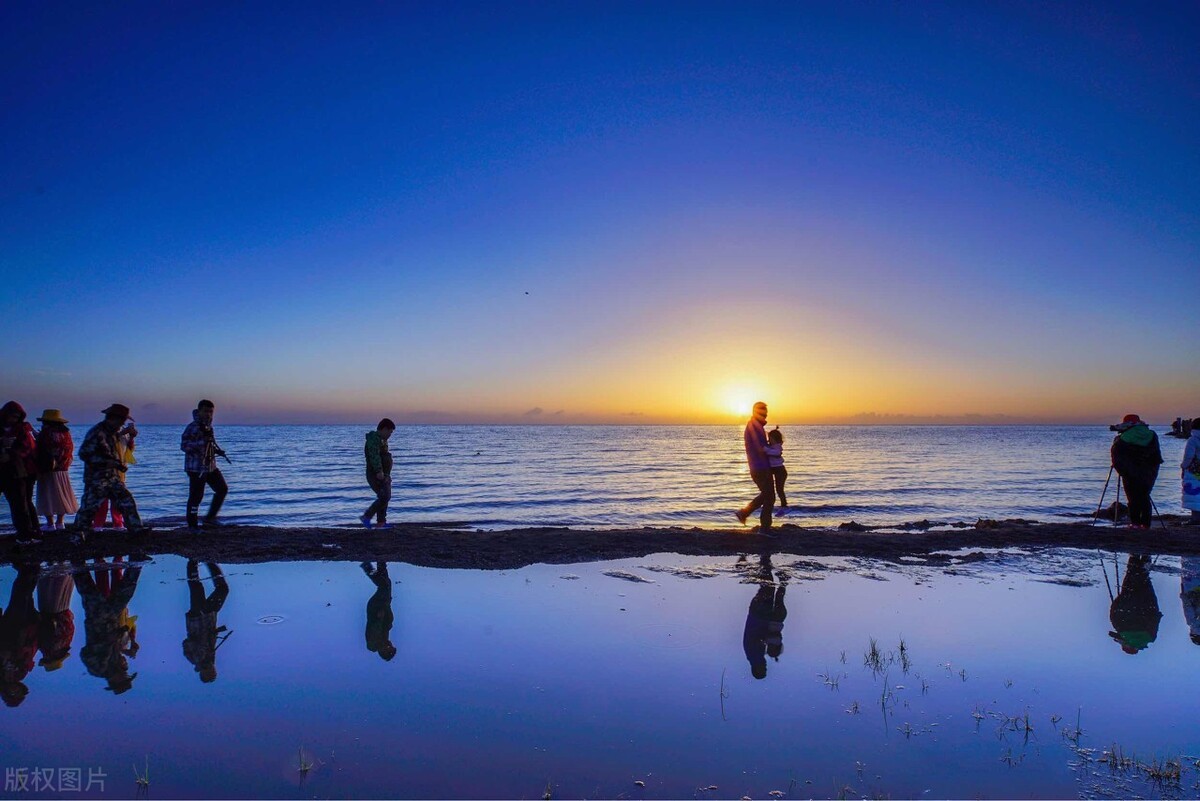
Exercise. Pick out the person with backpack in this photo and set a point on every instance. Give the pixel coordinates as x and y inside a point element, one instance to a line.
<point>1136,457</point>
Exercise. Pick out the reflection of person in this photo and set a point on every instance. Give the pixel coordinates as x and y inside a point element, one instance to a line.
<point>18,471</point>
<point>199,445</point>
<point>763,635</point>
<point>56,623</point>
<point>200,645</point>
<point>1134,613</point>
<point>18,636</point>
<point>379,612</point>
<point>774,451</point>
<point>1190,468</point>
<point>755,438</point>
<point>1189,593</point>
<point>55,451</point>
<point>379,473</point>
<point>102,469</point>
<point>1136,457</point>
<point>126,441</point>
<point>109,631</point>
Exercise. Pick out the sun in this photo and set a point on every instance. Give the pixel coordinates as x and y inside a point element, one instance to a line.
<point>738,400</point>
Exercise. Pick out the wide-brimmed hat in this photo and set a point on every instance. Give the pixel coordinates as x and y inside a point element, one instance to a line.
<point>116,410</point>
<point>53,416</point>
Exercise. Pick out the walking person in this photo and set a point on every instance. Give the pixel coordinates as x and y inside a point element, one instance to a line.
<point>379,612</point>
<point>755,438</point>
<point>379,473</point>
<point>199,445</point>
<point>1136,457</point>
<point>200,621</point>
<point>763,634</point>
<point>18,471</point>
<point>1190,473</point>
<point>110,632</point>
<point>102,474</point>
<point>55,451</point>
<point>126,443</point>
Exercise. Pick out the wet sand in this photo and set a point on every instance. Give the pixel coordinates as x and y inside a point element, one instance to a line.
<point>458,546</point>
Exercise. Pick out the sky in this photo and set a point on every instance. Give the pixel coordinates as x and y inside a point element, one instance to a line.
<point>601,212</point>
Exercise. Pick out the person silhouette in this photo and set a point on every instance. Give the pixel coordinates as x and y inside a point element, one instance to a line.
<point>18,636</point>
<point>109,630</point>
<point>379,612</point>
<point>1134,613</point>
<point>203,634</point>
<point>763,635</point>
<point>1189,594</point>
<point>56,621</point>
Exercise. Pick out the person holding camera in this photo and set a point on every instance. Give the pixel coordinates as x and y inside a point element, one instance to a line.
<point>1136,457</point>
<point>102,474</point>
<point>1190,470</point>
<point>200,449</point>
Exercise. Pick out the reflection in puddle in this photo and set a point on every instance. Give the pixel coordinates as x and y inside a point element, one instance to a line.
<point>964,675</point>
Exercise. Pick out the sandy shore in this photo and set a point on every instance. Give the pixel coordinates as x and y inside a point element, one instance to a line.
<point>458,547</point>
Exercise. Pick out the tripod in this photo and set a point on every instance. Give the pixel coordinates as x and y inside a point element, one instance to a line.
<point>1116,504</point>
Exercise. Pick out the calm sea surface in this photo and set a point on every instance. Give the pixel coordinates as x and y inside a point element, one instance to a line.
<point>605,476</point>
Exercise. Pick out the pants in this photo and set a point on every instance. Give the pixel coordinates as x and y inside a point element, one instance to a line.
<point>383,494</point>
<point>110,487</point>
<point>101,513</point>
<point>1137,491</point>
<point>196,482</point>
<point>16,491</point>
<point>779,474</point>
<point>765,499</point>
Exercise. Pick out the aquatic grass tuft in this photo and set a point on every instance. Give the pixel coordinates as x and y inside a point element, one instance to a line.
<point>143,779</point>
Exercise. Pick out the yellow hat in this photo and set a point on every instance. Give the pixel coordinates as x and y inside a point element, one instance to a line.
<point>53,416</point>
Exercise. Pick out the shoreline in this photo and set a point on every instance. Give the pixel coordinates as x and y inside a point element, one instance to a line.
<point>455,547</point>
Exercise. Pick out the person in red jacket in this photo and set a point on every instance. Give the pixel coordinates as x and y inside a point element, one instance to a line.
<point>18,470</point>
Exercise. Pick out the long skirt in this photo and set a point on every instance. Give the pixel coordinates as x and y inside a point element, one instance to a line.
<point>55,495</point>
<point>1191,491</point>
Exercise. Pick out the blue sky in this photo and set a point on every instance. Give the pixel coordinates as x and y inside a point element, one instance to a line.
<point>320,212</point>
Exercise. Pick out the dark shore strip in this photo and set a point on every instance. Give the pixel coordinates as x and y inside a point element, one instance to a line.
<point>431,546</point>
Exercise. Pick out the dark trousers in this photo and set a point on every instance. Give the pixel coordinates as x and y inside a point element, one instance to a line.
<point>196,482</point>
<point>1137,491</point>
<point>16,492</point>
<point>765,499</point>
<point>779,474</point>
<point>383,495</point>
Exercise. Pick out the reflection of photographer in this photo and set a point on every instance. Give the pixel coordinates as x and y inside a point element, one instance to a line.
<point>1136,457</point>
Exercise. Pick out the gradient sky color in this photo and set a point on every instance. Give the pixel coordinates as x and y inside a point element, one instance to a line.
<point>602,212</point>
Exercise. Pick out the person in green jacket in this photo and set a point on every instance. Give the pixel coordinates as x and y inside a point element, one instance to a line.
<point>379,473</point>
<point>1136,457</point>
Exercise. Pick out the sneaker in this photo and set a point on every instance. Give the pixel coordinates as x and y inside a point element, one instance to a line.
<point>384,526</point>
<point>741,516</point>
<point>366,521</point>
<point>119,528</point>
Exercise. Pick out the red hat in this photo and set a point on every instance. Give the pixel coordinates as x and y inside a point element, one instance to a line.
<point>1131,418</point>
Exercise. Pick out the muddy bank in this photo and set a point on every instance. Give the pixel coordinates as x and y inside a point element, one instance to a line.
<point>453,547</point>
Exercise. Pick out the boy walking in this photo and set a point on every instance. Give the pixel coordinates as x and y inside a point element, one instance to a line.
<point>379,473</point>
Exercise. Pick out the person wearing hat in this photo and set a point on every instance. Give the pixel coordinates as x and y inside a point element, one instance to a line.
<point>107,625</point>
<point>18,636</point>
<point>200,621</point>
<point>1134,613</point>
<point>55,450</point>
<point>1136,457</point>
<point>102,469</point>
<point>56,621</point>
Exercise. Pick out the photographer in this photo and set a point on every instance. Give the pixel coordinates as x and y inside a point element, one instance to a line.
<point>1136,457</point>
<point>199,445</point>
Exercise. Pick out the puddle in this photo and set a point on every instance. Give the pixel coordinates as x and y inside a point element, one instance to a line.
<point>1001,674</point>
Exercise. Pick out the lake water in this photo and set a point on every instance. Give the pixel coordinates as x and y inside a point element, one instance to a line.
<point>607,476</point>
<point>994,679</point>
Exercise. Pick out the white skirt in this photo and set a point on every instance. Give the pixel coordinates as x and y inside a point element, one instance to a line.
<point>54,494</point>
